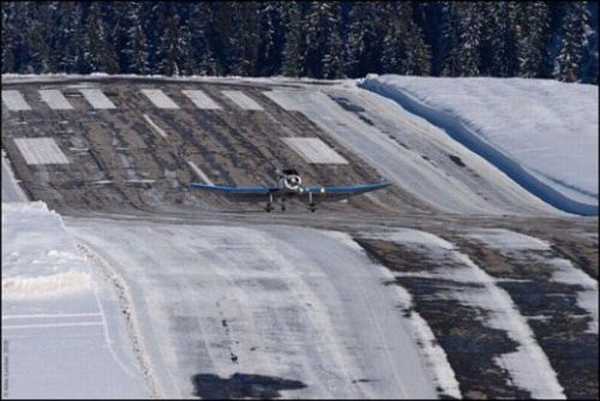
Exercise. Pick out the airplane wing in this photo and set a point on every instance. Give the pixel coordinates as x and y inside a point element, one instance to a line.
<point>320,194</point>
<point>243,194</point>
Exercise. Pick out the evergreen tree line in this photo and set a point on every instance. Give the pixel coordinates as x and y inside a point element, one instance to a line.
<point>329,39</point>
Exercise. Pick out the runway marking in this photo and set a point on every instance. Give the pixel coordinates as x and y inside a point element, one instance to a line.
<point>201,100</point>
<point>49,325</point>
<point>97,99</point>
<point>55,99</point>
<point>200,173</point>
<point>49,315</point>
<point>286,99</point>
<point>160,131</point>
<point>314,150</point>
<point>14,100</point>
<point>159,99</point>
<point>242,100</point>
<point>42,150</point>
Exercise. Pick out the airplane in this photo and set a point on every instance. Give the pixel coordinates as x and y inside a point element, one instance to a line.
<point>289,185</point>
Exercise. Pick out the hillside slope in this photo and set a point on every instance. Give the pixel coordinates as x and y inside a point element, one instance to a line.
<point>543,134</point>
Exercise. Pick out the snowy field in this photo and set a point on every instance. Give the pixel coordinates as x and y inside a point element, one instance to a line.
<point>63,335</point>
<point>542,133</point>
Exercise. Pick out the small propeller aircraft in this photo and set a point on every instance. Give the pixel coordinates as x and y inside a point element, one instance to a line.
<point>289,185</point>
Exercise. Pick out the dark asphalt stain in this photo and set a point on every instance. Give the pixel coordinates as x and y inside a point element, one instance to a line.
<point>457,160</point>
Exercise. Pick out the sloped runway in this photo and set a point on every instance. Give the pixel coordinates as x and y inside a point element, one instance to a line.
<point>289,303</point>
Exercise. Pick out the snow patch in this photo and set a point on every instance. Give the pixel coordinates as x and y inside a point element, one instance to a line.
<point>529,366</point>
<point>435,355</point>
<point>413,237</point>
<point>60,284</point>
<point>525,127</point>
<point>499,238</point>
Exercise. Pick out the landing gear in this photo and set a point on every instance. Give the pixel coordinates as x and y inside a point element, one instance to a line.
<point>283,204</point>
<point>312,206</point>
<point>269,207</point>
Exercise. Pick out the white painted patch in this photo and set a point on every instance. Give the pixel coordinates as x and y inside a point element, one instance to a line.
<point>160,131</point>
<point>14,100</point>
<point>201,100</point>
<point>242,100</point>
<point>141,181</point>
<point>313,150</point>
<point>159,99</point>
<point>200,173</point>
<point>41,151</point>
<point>285,99</point>
<point>97,99</point>
<point>55,99</point>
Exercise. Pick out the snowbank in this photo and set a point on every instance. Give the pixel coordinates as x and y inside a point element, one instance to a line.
<point>39,259</point>
<point>541,133</point>
<point>11,191</point>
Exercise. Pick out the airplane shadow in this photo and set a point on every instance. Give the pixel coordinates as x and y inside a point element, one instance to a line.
<point>240,385</point>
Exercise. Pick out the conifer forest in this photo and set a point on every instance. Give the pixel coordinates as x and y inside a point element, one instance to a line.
<point>327,39</point>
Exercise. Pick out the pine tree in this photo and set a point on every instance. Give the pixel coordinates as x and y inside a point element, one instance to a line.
<point>450,63</point>
<point>293,52</point>
<point>202,55</point>
<point>589,71</point>
<point>8,40</point>
<point>98,53</point>
<point>463,59</point>
<point>167,50</point>
<point>70,38</point>
<point>404,49</point>
<point>575,23</point>
<point>135,51</point>
<point>323,44</point>
<point>500,35</point>
<point>434,21</point>
<point>532,24</point>
<point>365,39</point>
<point>271,34</point>
<point>37,38</point>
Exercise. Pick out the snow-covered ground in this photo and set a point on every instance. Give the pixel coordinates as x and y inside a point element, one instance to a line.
<point>11,190</point>
<point>267,301</point>
<point>542,133</point>
<point>395,143</point>
<point>63,335</point>
<point>563,271</point>
<point>528,367</point>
